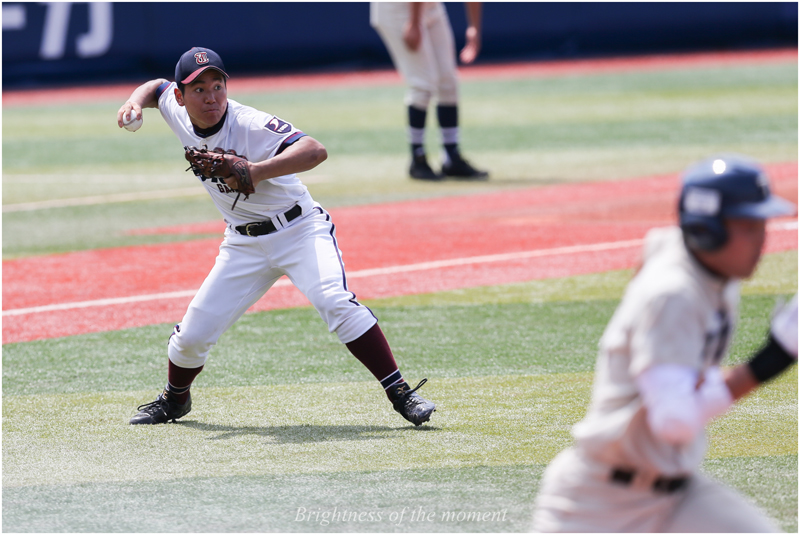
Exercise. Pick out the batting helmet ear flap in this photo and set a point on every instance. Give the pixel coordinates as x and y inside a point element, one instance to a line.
<point>700,219</point>
<point>703,233</point>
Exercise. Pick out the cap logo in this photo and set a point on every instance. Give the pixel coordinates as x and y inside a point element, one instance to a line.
<point>201,58</point>
<point>702,201</point>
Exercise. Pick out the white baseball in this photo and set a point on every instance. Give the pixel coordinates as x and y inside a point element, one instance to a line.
<point>130,123</point>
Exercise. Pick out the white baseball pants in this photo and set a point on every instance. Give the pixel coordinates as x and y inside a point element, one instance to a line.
<point>305,250</point>
<point>576,496</point>
<point>431,69</point>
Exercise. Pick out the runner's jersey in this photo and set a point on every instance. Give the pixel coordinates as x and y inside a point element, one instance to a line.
<point>254,134</point>
<point>673,312</point>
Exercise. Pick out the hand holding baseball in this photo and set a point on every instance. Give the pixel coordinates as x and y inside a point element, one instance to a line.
<point>129,117</point>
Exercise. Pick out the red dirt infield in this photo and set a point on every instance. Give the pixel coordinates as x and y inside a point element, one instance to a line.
<point>389,250</point>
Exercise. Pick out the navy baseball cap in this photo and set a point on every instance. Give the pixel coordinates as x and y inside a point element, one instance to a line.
<point>731,185</point>
<point>196,61</point>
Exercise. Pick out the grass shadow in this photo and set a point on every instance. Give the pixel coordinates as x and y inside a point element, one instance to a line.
<point>296,434</point>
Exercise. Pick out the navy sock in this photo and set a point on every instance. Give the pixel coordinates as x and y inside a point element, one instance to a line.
<point>416,130</point>
<point>416,117</point>
<point>447,115</point>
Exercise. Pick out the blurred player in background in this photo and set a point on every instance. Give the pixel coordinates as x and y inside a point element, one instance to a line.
<point>420,41</point>
<point>634,464</point>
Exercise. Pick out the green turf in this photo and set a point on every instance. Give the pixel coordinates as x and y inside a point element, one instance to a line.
<point>527,132</point>
<point>270,503</point>
<point>510,377</point>
<point>343,502</point>
<point>769,482</point>
<point>60,447</point>
<point>285,422</point>
<point>547,326</point>
<point>290,346</point>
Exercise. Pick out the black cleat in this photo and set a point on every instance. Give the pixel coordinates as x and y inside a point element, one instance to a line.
<point>161,411</point>
<point>458,167</point>
<point>411,405</point>
<point>421,170</point>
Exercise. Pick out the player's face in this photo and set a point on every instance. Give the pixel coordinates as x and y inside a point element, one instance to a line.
<point>739,256</point>
<point>205,99</point>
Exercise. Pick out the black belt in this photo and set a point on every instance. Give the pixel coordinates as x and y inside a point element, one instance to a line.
<point>259,228</point>
<point>661,484</point>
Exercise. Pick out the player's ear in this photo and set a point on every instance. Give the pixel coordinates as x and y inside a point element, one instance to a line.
<point>179,97</point>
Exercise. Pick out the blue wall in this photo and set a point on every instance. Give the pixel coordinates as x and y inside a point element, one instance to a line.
<point>48,44</point>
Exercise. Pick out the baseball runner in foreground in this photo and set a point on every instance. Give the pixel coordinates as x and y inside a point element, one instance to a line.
<point>248,162</point>
<point>634,464</point>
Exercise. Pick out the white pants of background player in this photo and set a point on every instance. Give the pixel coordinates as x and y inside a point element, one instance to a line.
<point>429,70</point>
<point>305,250</point>
<point>577,496</point>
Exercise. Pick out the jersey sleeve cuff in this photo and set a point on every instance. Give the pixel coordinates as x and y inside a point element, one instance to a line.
<point>163,87</point>
<point>289,140</point>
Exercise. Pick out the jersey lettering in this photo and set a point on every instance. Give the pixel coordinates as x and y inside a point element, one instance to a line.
<point>717,340</point>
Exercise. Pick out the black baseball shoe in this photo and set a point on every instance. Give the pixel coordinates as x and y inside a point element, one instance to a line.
<point>161,411</point>
<point>411,405</point>
<point>421,170</point>
<point>458,167</point>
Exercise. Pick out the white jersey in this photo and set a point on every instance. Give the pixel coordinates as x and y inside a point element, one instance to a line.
<point>253,134</point>
<point>673,311</point>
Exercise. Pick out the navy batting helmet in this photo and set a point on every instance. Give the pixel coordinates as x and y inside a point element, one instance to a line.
<point>723,187</point>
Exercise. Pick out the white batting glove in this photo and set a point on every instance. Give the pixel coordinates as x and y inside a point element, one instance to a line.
<point>784,327</point>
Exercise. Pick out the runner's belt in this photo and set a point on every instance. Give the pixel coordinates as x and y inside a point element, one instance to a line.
<point>660,484</point>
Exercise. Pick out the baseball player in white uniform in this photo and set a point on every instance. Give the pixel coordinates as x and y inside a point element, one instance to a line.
<point>278,230</point>
<point>634,463</point>
<point>420,41</point>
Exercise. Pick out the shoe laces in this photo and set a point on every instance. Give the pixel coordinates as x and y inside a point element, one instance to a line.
<point>160,402</point>
<point>417,387</point>
<point>408,396</point>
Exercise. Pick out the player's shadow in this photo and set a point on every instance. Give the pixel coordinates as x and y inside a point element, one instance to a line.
<point>296,434</point>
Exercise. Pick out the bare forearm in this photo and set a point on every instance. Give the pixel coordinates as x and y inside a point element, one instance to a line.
<point>305,154</point>
<point>472,47</point>
<point>769,362</point>
<point>474,14</point>
<point>142,97</point>
<point>145,94</point>
<point>740,381</point>
<point>415,13</point>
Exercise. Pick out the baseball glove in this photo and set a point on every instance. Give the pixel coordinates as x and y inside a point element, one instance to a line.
<point>222,164</point>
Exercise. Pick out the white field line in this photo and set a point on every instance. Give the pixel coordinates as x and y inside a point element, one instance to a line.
<point>783,225</point>
<point>422,266</point>
<point>438,264</point>
<point>126,197</point>
<point>103,199</point>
